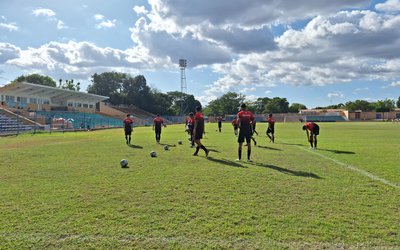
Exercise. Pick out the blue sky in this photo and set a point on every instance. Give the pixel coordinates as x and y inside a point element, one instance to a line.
<point>317,53</point>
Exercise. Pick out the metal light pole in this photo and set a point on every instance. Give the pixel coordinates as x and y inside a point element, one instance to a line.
<point>182,66</point>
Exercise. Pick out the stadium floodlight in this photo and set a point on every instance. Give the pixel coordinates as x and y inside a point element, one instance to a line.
<point>182,66</point>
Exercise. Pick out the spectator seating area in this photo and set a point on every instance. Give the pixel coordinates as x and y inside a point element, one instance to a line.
<point>10,125</point>
<point>325,118</point>
<point>77,120</point>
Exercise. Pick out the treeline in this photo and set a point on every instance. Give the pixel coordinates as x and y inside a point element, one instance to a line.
<point>378,106</point>
<point>125,89</point>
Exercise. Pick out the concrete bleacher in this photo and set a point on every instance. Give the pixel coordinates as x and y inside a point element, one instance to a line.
<point>324,118</point>
<point>10,125</point>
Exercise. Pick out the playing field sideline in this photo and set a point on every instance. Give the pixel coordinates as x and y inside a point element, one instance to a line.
<point>68,190</point>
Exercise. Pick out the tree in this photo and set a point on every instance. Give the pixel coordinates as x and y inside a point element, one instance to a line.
<point>383,106</point>
<point>359,105</point>
<point>136,91</point>
<point>108,84</point>
<point>226,104</point>
<point>296,107</point>
<point>37,79</point>
<point>386,105</point>
<point>69,84</point>
<point>188,102</point>
<point>277,105</point>
<point>398,102</point>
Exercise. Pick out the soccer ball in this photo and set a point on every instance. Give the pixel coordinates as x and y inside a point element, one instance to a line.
<point>124,163</point>
<point>180,142</point>
<point>166,147</point>
<point>153,154</point>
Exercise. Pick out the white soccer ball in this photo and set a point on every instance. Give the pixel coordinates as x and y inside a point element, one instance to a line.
<point>180,142</point>
<point>153,154</point>
<point>166,147</point>
<point>124,163</point>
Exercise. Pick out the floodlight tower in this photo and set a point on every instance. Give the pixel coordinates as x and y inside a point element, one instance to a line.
<point>182,66</point>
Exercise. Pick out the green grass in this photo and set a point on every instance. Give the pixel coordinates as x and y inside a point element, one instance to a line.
<point>68,190</point>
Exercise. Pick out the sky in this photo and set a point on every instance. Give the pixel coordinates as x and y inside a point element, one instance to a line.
<point>317,53</point>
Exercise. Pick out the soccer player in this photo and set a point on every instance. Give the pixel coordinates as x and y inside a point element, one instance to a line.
<point>312,130</point>
<point>271,128</point>
<point>254,123</point>
<point>198,131</point>
<point>158,122</point>
<point>245,119</point>
<point>235,125</point>
<point>190,127</point>
<point>128,121</point>
<point>219,120</point>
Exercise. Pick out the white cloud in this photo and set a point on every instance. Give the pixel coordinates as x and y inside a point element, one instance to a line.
<point>98,17</point>
<point>389,6</point>
<point>9,26</point>
<point>103,22</point>
<point>74,59</point>
<point>106,24</point>
<point>43,12</point>
<point>246,90</point>
<point>140,10</point>
<point>268,92</point>
<point>395,84</point>
<point>61,25</point>
<point>335,94</point>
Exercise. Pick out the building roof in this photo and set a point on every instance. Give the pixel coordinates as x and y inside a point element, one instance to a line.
<point>30,89</point>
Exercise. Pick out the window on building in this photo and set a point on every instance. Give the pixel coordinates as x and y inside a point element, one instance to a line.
<point>91,106</point>
<point>22,99</point>
<point>85,105</point>
<point>32,100</point>
<point>45,101</point>
<point>79,105</point>
<point>10,98</point>
<point>70,104</point>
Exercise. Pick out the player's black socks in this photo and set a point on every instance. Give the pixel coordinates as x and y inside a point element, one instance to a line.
<point>197,150</point>
<point>315,144</point>
<point>240,154</point>
<point>248,154</point>
<point>204,148</point>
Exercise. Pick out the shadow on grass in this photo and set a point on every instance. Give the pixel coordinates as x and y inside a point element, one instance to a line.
<point>169,145</point>
<point>292,144</point>
<point>265,147</point>
<point>226,162</point>
<point>214,150</point>
<point>287,171</point>
<point>337,151</point>
<point>134,146</point>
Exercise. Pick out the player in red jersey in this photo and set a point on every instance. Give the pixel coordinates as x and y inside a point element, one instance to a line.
<point>198,131</point>
<point>219,120</point>
<point>245,119</point>
<point>190,127</point>
<point>158,122</point>
<point>128,121</point>
<point>312,130</point>
<point>235,125</point>
<point>271,128</point>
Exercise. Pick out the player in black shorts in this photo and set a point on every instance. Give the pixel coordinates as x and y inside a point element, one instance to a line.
<point>245,119</point>
<point>128,128</point>
<point>312,130</point>
<point>198,131</point>
<point>271,128</point>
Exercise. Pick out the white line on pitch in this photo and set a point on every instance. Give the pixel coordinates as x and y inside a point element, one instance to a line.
<point>353,168</point>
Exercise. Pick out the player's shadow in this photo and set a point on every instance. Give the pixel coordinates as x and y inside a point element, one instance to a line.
<point>293,144</point>
<point>287,171</point>
<point>134,146</point>
<point>337,151</point>
<point>214,150</point>
<point>226,162</point>
<point>265,147</point>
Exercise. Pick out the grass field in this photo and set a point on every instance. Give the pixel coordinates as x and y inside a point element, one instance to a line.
<point>68,190</point>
